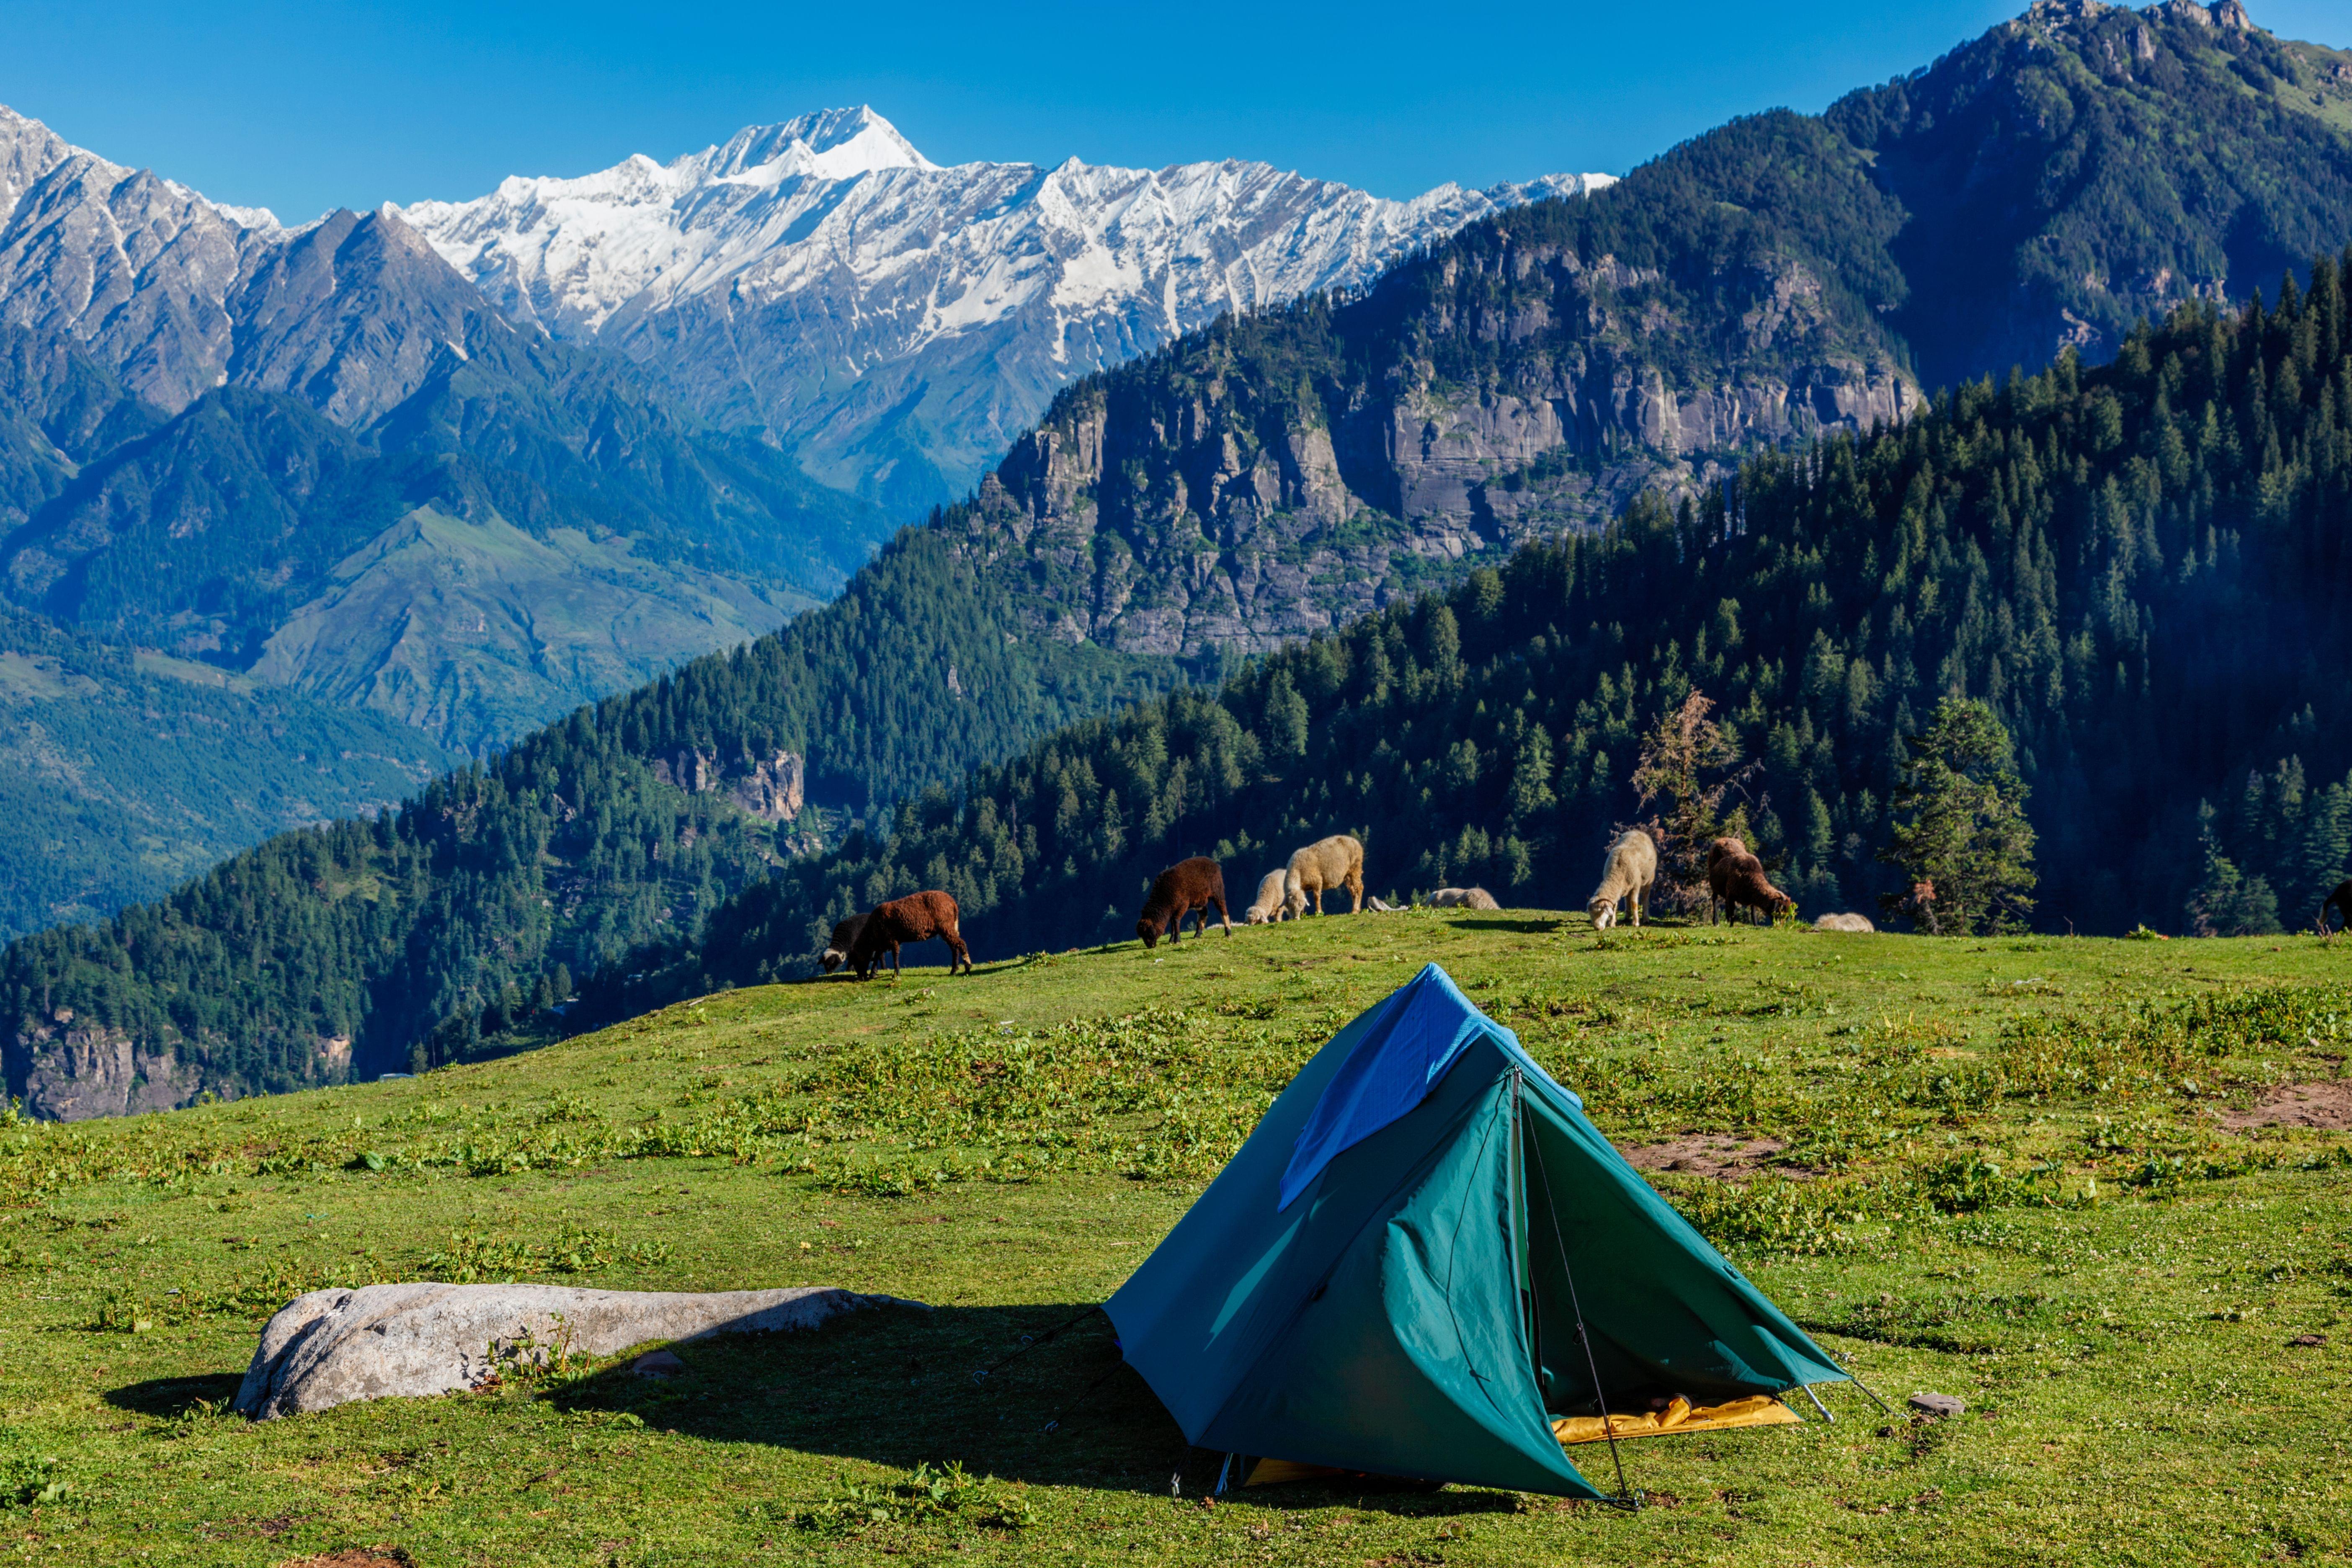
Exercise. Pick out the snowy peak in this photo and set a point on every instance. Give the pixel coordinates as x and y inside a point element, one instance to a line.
<point>830,145</point>
<point>822,279</point>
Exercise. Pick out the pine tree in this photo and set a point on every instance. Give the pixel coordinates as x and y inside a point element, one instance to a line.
<point>1960,834</point>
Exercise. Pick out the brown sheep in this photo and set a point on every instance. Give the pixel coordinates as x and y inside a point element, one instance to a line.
<point>1737,881</point>
<point>2340,900</point>
<point>1325,866</point>
<point>1188,887</point>
<point>1720,848</point>
<point>917,916</point>
<point>844,943</point>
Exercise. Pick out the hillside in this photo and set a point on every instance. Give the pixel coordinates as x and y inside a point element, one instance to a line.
<point>343,948</point>
<point>123,774</point>
<point>2124,561</point>
<point>2034,1175</point>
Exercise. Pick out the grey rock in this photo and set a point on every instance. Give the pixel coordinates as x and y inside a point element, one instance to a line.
<point>657,1364</point>
<point>383,1342</point>
<point>1936,1406</point>
<point>1463,899</point>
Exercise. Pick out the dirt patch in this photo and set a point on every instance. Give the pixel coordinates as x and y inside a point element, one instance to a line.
<point>355,1557</point>
<point>2325,1105</point>
<point>1715,1155</point>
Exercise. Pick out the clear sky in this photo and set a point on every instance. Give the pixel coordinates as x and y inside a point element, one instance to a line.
<point>300,105</point>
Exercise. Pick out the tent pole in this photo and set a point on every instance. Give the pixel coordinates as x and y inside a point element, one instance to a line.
<point>1817,1403</point>
<point>1873,1392</point>
<point>1625,1497</point>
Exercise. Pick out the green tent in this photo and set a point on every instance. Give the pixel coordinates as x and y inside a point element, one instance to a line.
<point>1390,1276</point>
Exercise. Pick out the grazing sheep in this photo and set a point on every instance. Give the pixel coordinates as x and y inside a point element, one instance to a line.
<point>1626,872</point>
<point>1737,881</point>
<point>1718,848</point>
<point>844,943</point>
<point>1268,907</point>
<point>1463,899</point>
<point>1844,923</point>
<point>1188,887</point>
<point>1326,864</point>
<point>917,916</point>
<point>2340,900</point>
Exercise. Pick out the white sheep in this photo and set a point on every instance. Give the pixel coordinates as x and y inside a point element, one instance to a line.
<point>1267,908</point>
<point>1626,872</point>
<point>1844,923</point>
<point>1463,899</point>
<point>1325,866</point>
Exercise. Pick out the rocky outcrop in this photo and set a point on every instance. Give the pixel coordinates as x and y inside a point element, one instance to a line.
<point>383,1341</point>
<point>1176,508</point>
<point>773,790</point>
<point>76,1074</point>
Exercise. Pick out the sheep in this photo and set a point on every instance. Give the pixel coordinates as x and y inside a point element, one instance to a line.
<point>1268,907</point>
<point>1844,923</point>
<point>1188,886</point>
<point>1463,899</point>
<point>1716,850</point>
<point>917,916</point>
<point>1325,866</point>
<point>1626,872</point>
<point>1737,880</point>
<point>2340,900</point>
<point>845,940</point>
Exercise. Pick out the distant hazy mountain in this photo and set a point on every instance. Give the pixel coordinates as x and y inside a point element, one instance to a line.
<point>896,322</point>
<point>229,436</point>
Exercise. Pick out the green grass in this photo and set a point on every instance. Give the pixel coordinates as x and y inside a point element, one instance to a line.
<point>2006,1177</point>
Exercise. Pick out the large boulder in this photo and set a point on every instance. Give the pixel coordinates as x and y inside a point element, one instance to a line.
<point>388,1341</point>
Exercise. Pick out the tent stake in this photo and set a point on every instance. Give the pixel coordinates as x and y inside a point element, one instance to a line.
<point>1223,1471</point>
<point>1625,1497</point>
<point>1817,1403</point>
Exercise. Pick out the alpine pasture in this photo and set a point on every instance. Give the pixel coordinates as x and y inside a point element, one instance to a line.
<point>2059,1179</point>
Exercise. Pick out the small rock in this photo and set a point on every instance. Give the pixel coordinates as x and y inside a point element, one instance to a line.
<point>1937,1404</point>
<point>657,1364</point>
<point>2309,1342</point>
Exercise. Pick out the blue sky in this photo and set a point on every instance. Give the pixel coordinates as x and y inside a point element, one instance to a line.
<point>299,106</point>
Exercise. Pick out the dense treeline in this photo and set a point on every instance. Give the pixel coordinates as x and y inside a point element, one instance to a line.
<point>2142,568</point>
<point>564,852</point>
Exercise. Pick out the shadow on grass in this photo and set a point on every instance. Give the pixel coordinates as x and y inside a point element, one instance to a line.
<point>894,1387</point>
<point>169,1396</point>
<point>1543,927</point>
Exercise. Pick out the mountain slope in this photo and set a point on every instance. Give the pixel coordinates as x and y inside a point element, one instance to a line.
<point>897,322</point>
<point>2089,164</point>
<point>2024,545</point>
<point>123,775</point>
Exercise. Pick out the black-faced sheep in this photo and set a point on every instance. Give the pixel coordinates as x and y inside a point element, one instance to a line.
<point>1737,881</point>
<point>1626,872</point>
<point>1267,908</point>
<point>917,916</point>
<point>1188,886</point>
<point>1326,864</point>
<point>844,943</point>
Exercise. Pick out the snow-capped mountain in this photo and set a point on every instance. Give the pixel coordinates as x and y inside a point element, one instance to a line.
<point>898,322</point>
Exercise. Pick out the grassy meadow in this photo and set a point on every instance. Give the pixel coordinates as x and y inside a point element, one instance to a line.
<point>2060,1179</point>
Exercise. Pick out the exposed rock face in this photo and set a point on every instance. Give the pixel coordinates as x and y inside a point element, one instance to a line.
<point>773,790</point>
<point>77,1074</point>
<point>1166,515</point>
<point>383,1341</point>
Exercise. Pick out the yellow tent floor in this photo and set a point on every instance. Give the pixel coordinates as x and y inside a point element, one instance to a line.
<point>1681,1416</point>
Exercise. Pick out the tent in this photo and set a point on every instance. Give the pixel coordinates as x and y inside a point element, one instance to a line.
<point>1391,1274</point>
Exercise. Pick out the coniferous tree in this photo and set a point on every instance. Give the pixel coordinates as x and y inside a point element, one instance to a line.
<point>1961,836</point>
